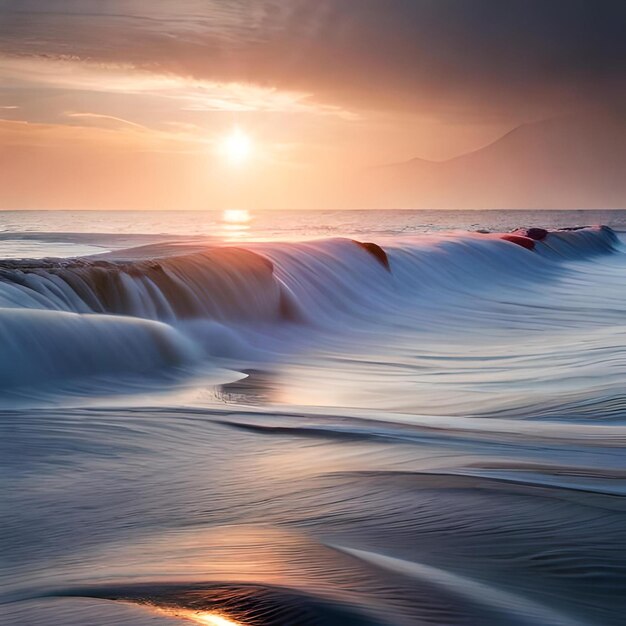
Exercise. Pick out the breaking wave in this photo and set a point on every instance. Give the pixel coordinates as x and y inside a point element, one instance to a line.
<point>430,431</point>
<point>165,305</point>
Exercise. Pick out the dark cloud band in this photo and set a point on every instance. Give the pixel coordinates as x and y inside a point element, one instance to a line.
<point>454,57</point>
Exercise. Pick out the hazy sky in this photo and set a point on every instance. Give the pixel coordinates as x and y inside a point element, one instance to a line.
<point>122,103</point>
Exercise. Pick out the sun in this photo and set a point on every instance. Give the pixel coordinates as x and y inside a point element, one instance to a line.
<point>236,147</point>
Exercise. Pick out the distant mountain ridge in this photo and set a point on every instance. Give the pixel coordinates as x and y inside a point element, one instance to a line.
<point>569,162</point>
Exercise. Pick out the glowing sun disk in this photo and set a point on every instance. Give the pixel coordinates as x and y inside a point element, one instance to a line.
<point>236,147</point>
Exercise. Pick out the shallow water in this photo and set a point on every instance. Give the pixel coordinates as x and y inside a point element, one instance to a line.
<point>256,421</point>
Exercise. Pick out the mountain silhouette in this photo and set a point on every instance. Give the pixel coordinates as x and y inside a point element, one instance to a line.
<point>569,162</point>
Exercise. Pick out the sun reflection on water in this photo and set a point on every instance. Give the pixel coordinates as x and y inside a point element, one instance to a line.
<point>235,223</point>
<point>213,619</point>
<point>207,618</point>
<point>236,216</point>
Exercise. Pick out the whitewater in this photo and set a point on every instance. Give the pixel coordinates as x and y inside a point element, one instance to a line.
<point>368,418</point>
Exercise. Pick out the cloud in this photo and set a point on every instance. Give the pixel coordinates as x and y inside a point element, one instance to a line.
<point>100,116</point>
<point>449,58</point>
<point>190,93</point>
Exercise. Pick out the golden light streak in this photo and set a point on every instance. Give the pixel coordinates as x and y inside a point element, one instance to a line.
<point>207,618</point>
<point>213,619</point>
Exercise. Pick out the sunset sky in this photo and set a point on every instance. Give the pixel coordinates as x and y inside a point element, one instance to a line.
<point>124,104</point>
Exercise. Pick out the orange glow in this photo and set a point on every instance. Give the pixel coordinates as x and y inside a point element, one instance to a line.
<point>207,618</point>
<point>213,619</point>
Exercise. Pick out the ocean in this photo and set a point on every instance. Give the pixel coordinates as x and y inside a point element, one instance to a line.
<point>313,418</point>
